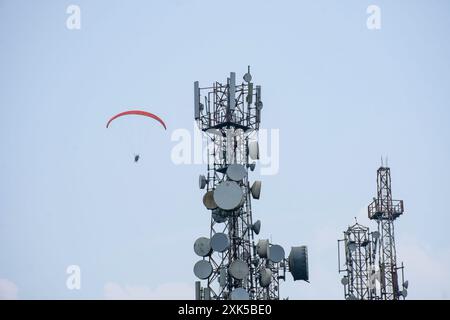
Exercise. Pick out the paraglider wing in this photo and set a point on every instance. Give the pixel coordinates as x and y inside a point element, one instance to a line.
<point>139,113</point>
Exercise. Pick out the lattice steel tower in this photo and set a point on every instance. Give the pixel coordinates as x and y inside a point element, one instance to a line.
<point>360,277</point>
<point>384,210</point>
<point>233,266</point>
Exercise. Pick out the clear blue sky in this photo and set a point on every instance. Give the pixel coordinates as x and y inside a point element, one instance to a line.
<point>340,94</point>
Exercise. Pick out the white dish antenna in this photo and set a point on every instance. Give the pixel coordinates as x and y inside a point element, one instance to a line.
<point>265,277</point>
<point>208,200</point>
<point>220,242</point>
<point>276,253</point>
<point>236,172</point>
<point>203,269</point>
<point>228,195</point>
<point>238,269</point>
<point>256,189</point>
<point>202,246</point>
<point>262,248</point>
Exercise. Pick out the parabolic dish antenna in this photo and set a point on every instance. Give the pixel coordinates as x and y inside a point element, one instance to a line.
<point>351,246</point>
<point>208,200</point>
<point>298,263</point>
<point>239,294</point>
<point>202,246</point>
<point>203,269</point>
<point>344,280</point>
<point>228,195</point>
<point>276,253</point>
<point>256,189</point>
<point>265,277</point>
<point>236,172</point>
<point>256,227</point>
<point>238,269</point>
<point>220,242</point>
<point>262,247</point>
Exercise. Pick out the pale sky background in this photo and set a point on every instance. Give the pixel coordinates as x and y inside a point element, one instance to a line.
<point>340,94</point>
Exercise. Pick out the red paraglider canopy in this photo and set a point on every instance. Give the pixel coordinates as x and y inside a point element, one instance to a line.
<point>139,113</point>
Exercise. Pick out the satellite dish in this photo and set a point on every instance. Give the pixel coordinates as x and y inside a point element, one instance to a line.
<point>202,181</point>
<point>208,200</point>
<point>203,269</point>
<point>344,280</point>
<point>256,227</point>
<point>276,253</point>
<point>256,189</point>
<point>228,195</point>
<point>262,248</point>
<point>238,269</point>
<point>298,263</point>
<point>239,294</point>
<point>265,277</point>
<point>220,242</point>
<point>406,284</point>
<point>253,150</point>
<point>252,166</point>
<point>376,235</point>
<point>202,246</point>
<point>236,172</point>
<point>219,216</point>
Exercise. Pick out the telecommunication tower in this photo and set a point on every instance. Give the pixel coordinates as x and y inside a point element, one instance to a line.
<point>365,251</point>
<point>359,246</point>
<point>232,264</point>
<point>384,210</point>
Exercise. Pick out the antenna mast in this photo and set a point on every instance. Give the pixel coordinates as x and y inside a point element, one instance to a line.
<point>232,265</point>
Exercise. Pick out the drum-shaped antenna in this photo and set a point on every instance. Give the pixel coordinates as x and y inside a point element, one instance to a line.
<point>298,263</point>
<point>275,253</point>
<point>202,181</point>
<point>238,269</point>
<point>228,195</point>
<point>203,269</point>
<point>236,172</point>
<point>265,277</point>
<point>202,246</point>
<point>220,242</point>
<point>256,189</point>
<point>253,150</point>
<point>262,248</point>
<point>239,294</point>
<point>208,200</point>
